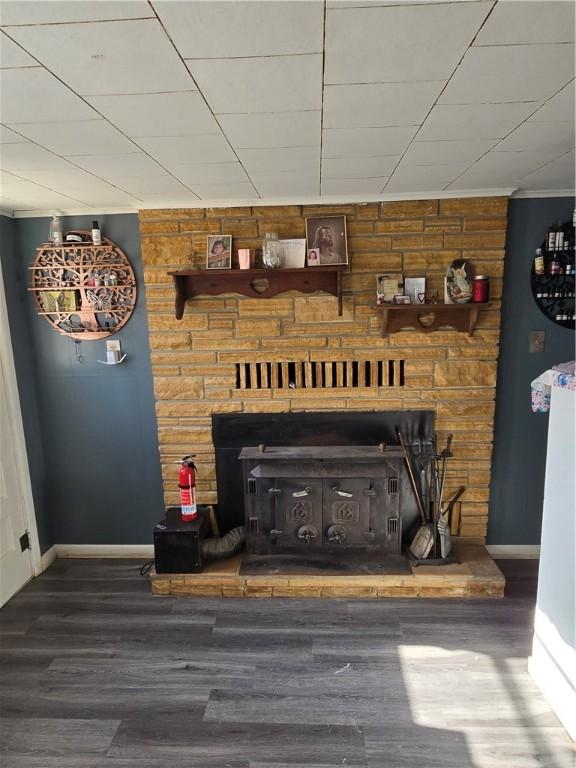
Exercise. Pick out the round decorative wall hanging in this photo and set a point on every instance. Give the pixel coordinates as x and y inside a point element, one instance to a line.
<point>85,291</point>
<point>552,277</point>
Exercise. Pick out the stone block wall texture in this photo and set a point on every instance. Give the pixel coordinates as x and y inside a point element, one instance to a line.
<point>194,359</point>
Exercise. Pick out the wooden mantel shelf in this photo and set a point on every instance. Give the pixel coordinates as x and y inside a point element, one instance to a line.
<point>256,283</point>
<point>430,317</point>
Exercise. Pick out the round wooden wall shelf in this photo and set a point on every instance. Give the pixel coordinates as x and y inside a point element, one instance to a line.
<point>84,291</point>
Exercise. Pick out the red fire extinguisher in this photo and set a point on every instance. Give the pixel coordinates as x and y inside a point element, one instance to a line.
<point>187,485</point>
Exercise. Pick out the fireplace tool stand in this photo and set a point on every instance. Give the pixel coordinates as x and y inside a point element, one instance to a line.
<point>432,543</point>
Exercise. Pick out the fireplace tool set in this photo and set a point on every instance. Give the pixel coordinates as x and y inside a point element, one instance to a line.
<point>432,543</point>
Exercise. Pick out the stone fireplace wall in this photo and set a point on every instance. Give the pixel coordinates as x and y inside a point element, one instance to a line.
<point>202,363</point>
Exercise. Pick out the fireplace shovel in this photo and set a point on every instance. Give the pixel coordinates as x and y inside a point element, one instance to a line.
<point>423,541</point>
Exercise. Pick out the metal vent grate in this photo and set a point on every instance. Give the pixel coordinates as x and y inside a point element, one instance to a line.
<point>252,486</point>
<point>320,375</point>
<point>254,525</point>
<point>392,485</point>
<point>393,523</point>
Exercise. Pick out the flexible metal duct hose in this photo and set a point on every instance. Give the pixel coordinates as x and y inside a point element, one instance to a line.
<point>225,546</point>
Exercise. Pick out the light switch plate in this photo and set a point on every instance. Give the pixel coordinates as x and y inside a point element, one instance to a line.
<point>536,341</point>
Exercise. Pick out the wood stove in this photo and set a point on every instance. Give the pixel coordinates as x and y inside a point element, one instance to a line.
<point>322,499</point>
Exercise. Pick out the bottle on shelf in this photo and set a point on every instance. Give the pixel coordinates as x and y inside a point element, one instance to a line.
<point>56,235</point>
<point>539,262</point>
<point>96,234</point>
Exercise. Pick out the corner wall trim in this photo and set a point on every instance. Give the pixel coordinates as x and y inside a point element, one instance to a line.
<point>514,551</point>
<point>105,550</point>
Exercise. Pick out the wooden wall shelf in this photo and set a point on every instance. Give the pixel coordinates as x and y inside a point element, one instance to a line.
<point>430,317</point>
<point>256,283</point>
<point>83,290</point>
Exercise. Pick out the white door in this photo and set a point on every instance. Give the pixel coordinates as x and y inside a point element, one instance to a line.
<point>15,562</point>
<point>17,566</point>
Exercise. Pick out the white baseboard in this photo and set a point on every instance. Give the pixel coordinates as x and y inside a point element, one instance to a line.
<point>514,551</point>
<point>140,551</point>
<point>47,559</point>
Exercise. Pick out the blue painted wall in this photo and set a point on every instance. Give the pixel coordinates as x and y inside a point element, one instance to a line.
<point>20,319</point>
<point>519,458</point>
<point>95,425</point>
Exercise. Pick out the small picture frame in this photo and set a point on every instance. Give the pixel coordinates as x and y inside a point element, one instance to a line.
<point>292,253</point>
<point>388,286</point>
<point>415,287</point>
<point>326,241</point>
<point>219,252</point>
<point>401,299</point>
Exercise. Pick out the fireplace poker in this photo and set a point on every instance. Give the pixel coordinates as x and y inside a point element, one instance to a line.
<point>412,477</point>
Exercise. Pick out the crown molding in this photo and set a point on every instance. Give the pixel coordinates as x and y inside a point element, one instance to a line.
<point>524,193</point>
<point>441,194</point>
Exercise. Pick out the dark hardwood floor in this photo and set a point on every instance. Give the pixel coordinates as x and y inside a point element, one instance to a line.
<point>96,673</point>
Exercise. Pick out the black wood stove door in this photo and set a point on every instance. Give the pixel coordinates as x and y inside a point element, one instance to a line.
<point>297,512</point>
<point>346,511</point>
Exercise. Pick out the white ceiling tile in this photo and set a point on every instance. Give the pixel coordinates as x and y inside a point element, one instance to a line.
<point>158,114</point>
<point>447,152</point>
<point>534,137</point>
<point>238,190</point>
<point>286,184</point>
<point>79,185</point>
<point>366,142</point>
<point>269,130</point>
<point>539,21</point>
<point>501,169</point>
<point>360,167</point>
<point>159,185</point>
<point>86,137</point>
<point>510,73</point>
<point>559,174</point>
<point>47,99</point>
<point>19,157</point>
<point>109,197</point>
<point>474,121</point>
<point>354,186</point>
<point>10,137</point>
<point>399,43</point>
<point>62,11</point>
<point>275,84</point>
<point>27,194</point>
<point>284,159</point>
<point>420,178</point>
<point>208,173</point>
<point>128,57</point>
<point>120,166</point>
<point>211,30</point>
<point>11,55</point>
<point>212,148</point>
<point>379,104</point>
<point>559,107</point>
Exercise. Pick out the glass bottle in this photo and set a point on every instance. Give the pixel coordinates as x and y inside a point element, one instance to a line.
<point>56,230</point>
<point>271,257</point>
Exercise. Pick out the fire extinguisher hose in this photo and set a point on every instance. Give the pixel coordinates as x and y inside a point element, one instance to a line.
<point>231,542</point>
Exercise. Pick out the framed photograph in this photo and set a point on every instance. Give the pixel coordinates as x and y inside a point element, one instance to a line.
<point>415,287</point>
<point>292,252</point>
<point>326,241</point>
<point>219,252</point>
<point>458,282</point>
<point>401,299</point>
<point>388,286</point>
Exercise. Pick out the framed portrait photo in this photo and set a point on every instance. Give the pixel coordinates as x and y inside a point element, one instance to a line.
<point>219,252</point>
<point>326,241</point>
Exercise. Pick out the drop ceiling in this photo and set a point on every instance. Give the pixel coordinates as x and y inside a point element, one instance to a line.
<point>127,105</point>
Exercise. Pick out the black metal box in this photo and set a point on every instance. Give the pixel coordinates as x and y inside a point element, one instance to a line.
<point>178,545</point>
